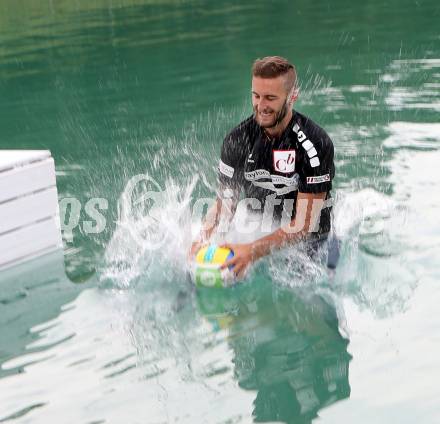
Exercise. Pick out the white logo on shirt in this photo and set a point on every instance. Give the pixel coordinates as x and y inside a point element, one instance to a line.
<point>290,183</point>
<point>284,161</point>
<point>318,179</point>
<point>226,169</point>
<point>307,146</point>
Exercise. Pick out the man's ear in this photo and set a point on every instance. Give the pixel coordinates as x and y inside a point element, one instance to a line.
<point>293,96</point>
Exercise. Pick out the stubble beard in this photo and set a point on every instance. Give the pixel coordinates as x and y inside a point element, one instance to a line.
<point>279,116</point>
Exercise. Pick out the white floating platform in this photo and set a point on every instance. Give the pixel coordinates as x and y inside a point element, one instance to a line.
<point>29,214</point>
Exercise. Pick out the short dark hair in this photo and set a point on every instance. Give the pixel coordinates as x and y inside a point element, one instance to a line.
<point>273,67</point>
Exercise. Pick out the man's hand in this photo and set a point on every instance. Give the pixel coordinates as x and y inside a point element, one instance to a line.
<point>242,260</point>
<point>195,247</point>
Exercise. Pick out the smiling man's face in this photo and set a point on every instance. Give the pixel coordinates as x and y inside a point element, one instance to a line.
<point>269,97</point>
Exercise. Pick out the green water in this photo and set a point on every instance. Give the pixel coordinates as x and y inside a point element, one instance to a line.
<point>118,88</point>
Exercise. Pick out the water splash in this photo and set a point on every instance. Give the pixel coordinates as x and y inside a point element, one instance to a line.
<point>151,243</point>
<point>153,248</point>
<point>373,271</point>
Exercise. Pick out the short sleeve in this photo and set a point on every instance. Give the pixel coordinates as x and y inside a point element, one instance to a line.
<point>318,169</point>
<point>231,164</point>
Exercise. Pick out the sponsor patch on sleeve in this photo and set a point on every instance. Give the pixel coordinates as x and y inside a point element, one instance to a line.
<point>226,169</point>
<point>318,179</point>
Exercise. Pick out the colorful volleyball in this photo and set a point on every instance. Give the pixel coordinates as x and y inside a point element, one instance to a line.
<point>207,272</point>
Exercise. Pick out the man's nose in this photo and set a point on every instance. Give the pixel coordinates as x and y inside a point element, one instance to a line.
<point>261,104</point>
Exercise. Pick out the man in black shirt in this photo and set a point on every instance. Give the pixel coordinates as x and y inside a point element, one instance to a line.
<point>281,160</point>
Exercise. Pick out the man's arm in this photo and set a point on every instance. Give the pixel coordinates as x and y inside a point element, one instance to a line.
<point>308,210</point>
<point>308,206</point>
<point>222,211</point>
<point>230,167</point>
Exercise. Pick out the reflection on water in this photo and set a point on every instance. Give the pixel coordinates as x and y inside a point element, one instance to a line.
<point>286,349</point>
<point>31,294</point>
<point>266,352</point>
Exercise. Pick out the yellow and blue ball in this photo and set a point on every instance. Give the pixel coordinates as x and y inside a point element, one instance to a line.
<point>207,272</point>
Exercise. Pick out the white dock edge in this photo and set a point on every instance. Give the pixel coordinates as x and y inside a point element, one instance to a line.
<point>29,213</point>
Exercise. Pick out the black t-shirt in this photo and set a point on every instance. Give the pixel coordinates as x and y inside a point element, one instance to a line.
<point>275,170</point>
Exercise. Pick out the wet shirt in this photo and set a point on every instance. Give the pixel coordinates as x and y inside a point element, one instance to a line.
<point>273,171</point>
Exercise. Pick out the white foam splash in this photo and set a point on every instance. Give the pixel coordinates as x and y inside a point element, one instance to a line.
<point>151,243</point>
